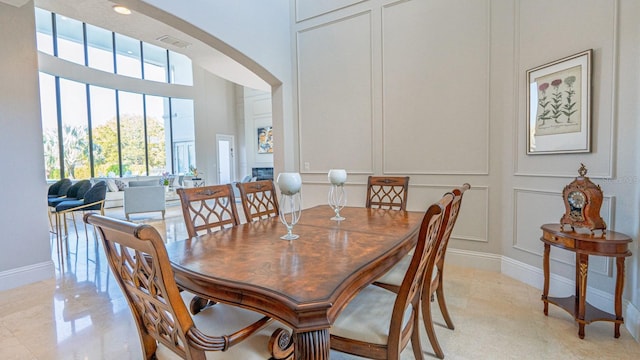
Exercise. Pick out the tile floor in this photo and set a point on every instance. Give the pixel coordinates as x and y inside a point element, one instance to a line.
<point>81,315</point>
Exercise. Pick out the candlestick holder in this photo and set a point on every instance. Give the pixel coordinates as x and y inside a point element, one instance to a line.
<point>337,194</point>
<point>290,206</point>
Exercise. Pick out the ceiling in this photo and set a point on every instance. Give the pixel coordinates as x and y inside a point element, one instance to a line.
<point>139,26</point>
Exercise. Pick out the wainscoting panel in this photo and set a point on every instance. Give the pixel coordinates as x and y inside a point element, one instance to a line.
<point>444,83</point>
<point>335,91</point>
<point>473,221</point>
<point>306,9</point>
<point>534,208</point>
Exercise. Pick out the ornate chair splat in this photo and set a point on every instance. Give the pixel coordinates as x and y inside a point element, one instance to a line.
<point>387,192</point>
<point>258,199</point>
<point>208,208</point>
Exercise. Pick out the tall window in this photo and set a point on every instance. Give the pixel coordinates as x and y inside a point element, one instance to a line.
<point>75,137</point>
<point>157,152</point>
<point>180,68</point>
<point>183,134</point>
<point>132,139</point>
<point>91,131</point>
<point>128,56</point>
<point>99,48</point>
<point>70,39</point>
<point>104,131</point>
<point>49,110</point>
<point>155,62</point>
<point>44,31</point>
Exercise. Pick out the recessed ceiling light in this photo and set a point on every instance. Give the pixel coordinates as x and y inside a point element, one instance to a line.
<point>121,10</point>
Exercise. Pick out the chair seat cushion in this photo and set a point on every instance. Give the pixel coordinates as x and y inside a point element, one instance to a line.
<point>55,201</point>
<point>368,316</point>
<point>397,272</point>
<point>66,205</point>
<point>224,319</point>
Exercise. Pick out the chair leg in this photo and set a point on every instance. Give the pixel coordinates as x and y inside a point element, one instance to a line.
<point>75,226</point>
<point>415,335</point>
<point>428,324</point>
<point>59,242</point>
<point>50,221</point>
<point>163,211</point>
<point>442,303</point>
<point>198,304</point>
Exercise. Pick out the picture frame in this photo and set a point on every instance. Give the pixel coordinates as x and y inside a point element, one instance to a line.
<point>559,106</point>
<point>265,140</point>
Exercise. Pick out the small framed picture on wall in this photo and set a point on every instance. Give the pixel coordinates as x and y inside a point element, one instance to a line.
<point>265,140</point>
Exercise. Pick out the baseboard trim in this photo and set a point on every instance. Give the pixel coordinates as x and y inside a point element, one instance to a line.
<point>533,276</point>
<point>474,259</point>
<point>21,276</point>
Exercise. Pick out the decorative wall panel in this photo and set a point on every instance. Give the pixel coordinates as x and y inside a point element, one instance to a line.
<point>473,222</point>
<point>306,9</point>
<point>335,95</point>
<point>436,88</point>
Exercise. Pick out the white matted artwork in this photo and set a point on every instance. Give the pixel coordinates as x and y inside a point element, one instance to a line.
<point>559,106</point>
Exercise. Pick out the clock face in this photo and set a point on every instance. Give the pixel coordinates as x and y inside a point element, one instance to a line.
<point>576,201</point>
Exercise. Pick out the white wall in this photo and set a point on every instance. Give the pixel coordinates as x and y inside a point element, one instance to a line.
<point>24,240</point>
<point>436,89</point>
<point>215,113</point>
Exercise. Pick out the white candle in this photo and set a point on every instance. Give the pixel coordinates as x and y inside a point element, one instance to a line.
<point>337,176</point>
<point>289,183</point>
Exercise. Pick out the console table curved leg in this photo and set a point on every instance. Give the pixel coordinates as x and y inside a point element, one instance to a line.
<point>618,298</point>
<point>582,268</point>
<point>545,266</point>
<point>312,345</point>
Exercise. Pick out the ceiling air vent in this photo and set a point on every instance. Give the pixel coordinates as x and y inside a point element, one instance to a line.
<point>173,41</point>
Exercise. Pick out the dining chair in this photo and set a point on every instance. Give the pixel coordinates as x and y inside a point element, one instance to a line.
<point>59,188</point>
<point>74,192</point>
<point>387,192</point>
<point>140,264</point>
<point>393,278</point>
<point>258,199</point>
<point>92,200</point>
<point>367,328</point>
<point>208,208</point>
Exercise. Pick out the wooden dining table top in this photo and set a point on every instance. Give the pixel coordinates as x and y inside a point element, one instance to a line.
<point>304,282</point>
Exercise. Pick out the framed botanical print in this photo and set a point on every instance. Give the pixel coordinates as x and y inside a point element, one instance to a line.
<point>559,106</point>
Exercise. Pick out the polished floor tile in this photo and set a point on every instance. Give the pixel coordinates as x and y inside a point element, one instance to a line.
<point>81,314</point>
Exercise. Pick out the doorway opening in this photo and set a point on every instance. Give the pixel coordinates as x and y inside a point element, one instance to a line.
<point>226,163</point>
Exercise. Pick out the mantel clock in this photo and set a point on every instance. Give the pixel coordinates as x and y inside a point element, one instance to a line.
<point>582,202</point>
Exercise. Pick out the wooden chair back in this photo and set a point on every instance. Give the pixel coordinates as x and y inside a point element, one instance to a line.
<point>387,192</point>
<point>434,282</point>
<point>403,329</point>
<point>208,208</point>
<point>139,262</point>
<point>258,199</point>
<point>451,216</point>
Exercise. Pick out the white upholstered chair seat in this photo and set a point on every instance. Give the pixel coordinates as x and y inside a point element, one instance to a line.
<point>225,319</point>
<point>397,272</point>
<point>367,316</point>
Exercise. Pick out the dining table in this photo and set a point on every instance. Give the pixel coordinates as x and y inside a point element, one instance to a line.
<point>304,283</point>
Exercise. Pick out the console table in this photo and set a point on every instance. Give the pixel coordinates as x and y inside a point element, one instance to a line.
<point>610,244</point>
